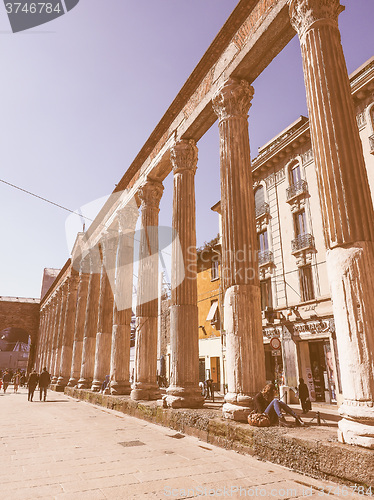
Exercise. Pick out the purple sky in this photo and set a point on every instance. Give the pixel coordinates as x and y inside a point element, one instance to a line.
<point>81,95</point>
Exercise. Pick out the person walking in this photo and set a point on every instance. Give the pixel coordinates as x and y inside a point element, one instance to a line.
<point>44,381</point>
<point>16,379</point>
<point>32,383</point>
<point>304,396</point>
<point>6,380</point>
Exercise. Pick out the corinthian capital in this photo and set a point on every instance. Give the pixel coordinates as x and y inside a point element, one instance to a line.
<point>304,13</point>
<point>184,156</point>
<point>127,217</point>
<point>233,99</point>
<point>150,194</point>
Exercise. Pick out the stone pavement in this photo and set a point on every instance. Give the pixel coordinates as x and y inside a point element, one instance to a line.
<point>69,449</point>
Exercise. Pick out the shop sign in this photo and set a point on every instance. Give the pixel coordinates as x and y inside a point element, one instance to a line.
<point>271,332</point>
<point>312,327</point>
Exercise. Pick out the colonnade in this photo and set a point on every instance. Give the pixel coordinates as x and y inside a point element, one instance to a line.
<point>85,323</point>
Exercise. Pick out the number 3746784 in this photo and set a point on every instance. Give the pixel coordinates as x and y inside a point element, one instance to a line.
<point>32,8</point>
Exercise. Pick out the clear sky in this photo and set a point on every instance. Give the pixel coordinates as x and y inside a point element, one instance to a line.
<point>80,96</point>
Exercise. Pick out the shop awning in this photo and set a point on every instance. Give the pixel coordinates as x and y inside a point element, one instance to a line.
<point>212,311</point>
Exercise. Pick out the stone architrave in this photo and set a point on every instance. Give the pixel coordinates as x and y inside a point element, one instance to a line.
<point>61,325</point>
<point>68,332</point>
<point>109,242</point>
<point>184,390</point>
<point>120,353</point>
<point>245,358</point>
<point>347,209</point>
<point>84,276</point>
<point>90,324</point>
<point>145,385</point>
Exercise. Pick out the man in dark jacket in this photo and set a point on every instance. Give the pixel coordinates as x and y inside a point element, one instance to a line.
<point>32,383</point>
<point>44,381</point>
<point>304,396</point>
<point>6,380</point>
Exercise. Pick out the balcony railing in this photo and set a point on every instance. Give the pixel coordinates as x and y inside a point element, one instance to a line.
<point>371,142</point>
<point>265,257</point>
<point>297,189</point>
<point>302,242</point>
<point>263,209</point>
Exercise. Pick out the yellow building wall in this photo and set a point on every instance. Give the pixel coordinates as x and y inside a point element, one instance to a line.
<point>207,290</point>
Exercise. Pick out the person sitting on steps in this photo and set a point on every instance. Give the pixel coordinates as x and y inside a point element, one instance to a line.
<point>265,402</point>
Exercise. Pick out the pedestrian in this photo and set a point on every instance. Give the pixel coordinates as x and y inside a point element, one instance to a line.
<point>44,381</point>
<point>105,384</point>
<point>304,396</point>
<point>6,380</point>
<point>209,389</point>
<point>32,383</point>
<point>265,402</point>
<point>16,379</point>
<point>23,379</point>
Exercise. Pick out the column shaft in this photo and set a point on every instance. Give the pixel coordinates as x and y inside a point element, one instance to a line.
<point>80,317</point>
<point>347,210</point>
<point>120,354</point>
<point>105,312</point>
<point>145,373</point>
<point>90,325</point>
<point>184,388</point>
<point>239,273</point>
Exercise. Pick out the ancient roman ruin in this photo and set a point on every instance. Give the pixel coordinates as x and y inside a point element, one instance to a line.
<point>85,315</point>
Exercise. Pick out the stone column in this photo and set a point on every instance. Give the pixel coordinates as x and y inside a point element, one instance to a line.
<point>46,335</point>
<point>105,312</point>
<point>41,337</point>
<point>347,209</point>
<point>84,276</point>
<point>184,388</point>
<point>68,332</point>
<point>56,323</point>
<point>120,355</point>
<point>50,334</point>
<point>245,359</point>
<point>61,324</point>
<point>145,373</point>
<point>90,325</point>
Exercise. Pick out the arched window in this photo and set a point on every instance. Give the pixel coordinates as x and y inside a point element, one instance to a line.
<point>259,197</point>
<point>295,174</point>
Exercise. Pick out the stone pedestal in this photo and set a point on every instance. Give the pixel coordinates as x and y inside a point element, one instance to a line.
<point>145,371</point>
<point>90,325</point>
<point>347,209</point>
<point>184,390</point>
<point>121,333</point>
<point>84,276</point>
<point>239,273</point>
<point>105,312</point>
<point>68,331</point>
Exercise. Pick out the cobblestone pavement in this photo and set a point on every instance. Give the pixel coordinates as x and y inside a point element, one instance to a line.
<point>66,449</point>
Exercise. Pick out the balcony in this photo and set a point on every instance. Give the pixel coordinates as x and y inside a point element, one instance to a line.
<point>263,209</point>
<point>302,242</point>
<point>371,143</point>
<point>297,190</point>
<point>265,258</point>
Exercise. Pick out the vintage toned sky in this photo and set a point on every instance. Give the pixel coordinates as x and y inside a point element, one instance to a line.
<point>80,96</point>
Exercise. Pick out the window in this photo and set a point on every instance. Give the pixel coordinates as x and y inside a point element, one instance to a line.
<point>295,174</point>
<point>263,244</point>
<point>266,295</point>
<point>306,283</point>
<point>259,197</point>
<point>299,221</point>
<point>214,274</point>
<point>213,314</point>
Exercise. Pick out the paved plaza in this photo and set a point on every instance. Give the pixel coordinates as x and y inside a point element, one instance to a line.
<point>66,449</point>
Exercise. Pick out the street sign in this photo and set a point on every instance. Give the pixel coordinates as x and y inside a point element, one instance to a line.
<point>275,343</point>
<point>275,353</point>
